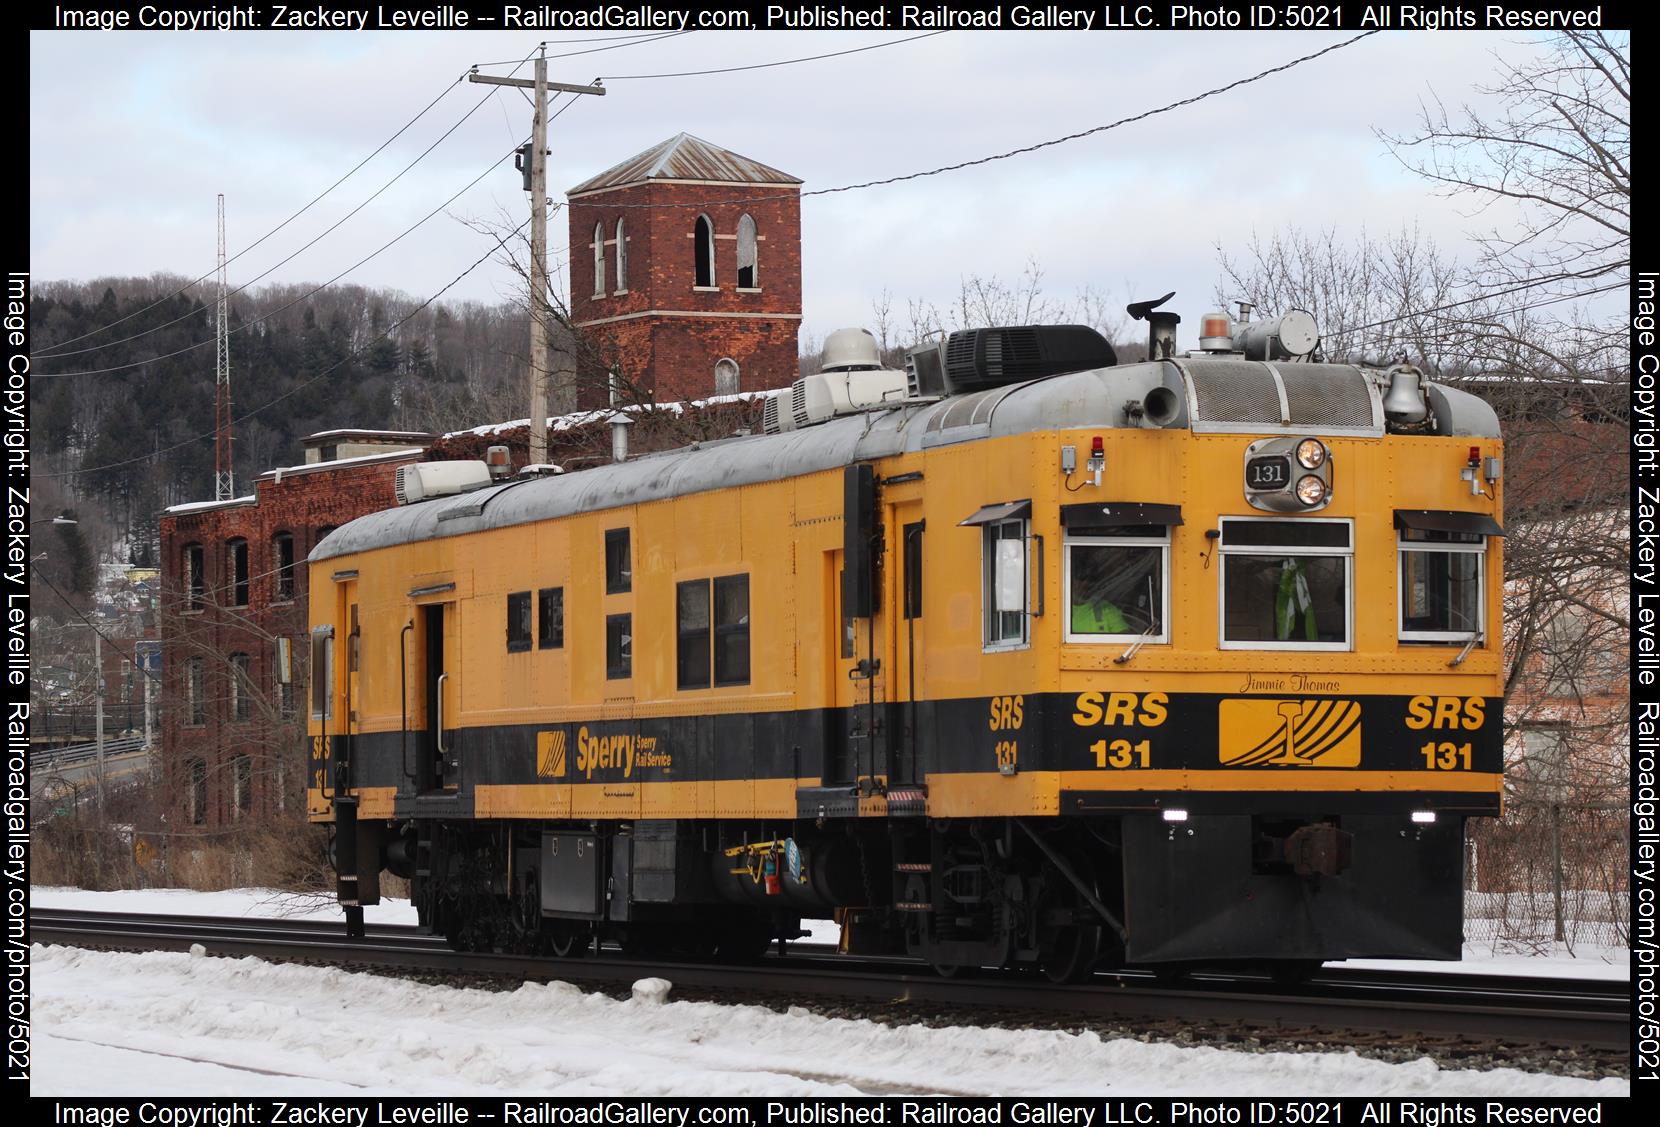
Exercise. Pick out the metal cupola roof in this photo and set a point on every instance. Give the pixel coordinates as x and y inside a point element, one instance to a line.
<point>684,158</point>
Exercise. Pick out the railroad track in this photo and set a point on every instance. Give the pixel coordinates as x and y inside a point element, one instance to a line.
<point>1336,1004</point>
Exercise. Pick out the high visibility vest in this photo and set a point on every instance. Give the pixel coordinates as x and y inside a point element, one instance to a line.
<point>1292,598</point>
<point>1098,618</point>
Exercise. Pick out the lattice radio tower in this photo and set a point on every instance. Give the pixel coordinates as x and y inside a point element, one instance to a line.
<point>224,479</point>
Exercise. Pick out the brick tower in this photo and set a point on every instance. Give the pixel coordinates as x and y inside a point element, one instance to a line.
<point>686,273</point>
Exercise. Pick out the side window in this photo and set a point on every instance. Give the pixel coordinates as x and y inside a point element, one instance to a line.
<point>732,630</point>
<point>1006,584</point>
<point>1441,581</point>
<point>703,253</point>
<point>195,577</point>
<point>619,568</point>
<point>726,376</point>
<point>242,779</point>
<point>692,618</point>
<point>322,672</point>
<point>913,570</point>
<point>619,645</point>
<point>748,261</point>
<point>198,792</point>
<point>622,259</point>
<point>236,562</point>
<point>518,622</point>
<point>599,260</point>
<point>1117,583</point>
<point>550,618</point>
<point>712,632</point>
<point>1286,584</point>
<point>242,686</point>
<point>282,558</point>
<point>195,690</point>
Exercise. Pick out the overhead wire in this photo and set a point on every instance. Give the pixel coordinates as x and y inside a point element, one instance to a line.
<point>779,63</point>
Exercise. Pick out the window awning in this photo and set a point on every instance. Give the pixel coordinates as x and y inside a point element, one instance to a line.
<point>1444,520</point>
<point>1005,510</point>
<point>1117,514</point>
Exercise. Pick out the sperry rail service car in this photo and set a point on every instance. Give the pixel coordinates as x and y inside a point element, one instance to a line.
<point>1030,657</point>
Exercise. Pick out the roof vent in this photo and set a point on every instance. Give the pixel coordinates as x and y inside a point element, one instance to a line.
<point>976,359</point>
<point>422,481</point>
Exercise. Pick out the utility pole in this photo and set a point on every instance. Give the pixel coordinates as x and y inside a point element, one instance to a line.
<point>540,315</point>
<point>98,708</point>
<point>224,483</point>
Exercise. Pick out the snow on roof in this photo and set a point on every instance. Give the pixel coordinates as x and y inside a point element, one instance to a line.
<point>582,418</point>
<point>357,432</point>
<point>332,463</point>
<point>204,506</point>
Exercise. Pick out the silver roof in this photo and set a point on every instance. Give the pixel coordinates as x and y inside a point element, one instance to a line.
<point>684,157</point>
<point>1095,399</point>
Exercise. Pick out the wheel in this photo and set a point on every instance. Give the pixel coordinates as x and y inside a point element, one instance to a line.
<point>1068,954</point>
<point>567,939</point>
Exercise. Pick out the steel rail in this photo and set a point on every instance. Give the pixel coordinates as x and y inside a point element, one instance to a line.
<point>1586,1014</point>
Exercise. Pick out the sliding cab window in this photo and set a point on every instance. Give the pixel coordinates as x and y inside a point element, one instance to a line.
<point>322,672</point>
<point>518,622</point>
<point>1118,571</point>
<point>1287,584</point>
<point>1443,565</point>
<point>712,646</point>
<point>1005,531</point>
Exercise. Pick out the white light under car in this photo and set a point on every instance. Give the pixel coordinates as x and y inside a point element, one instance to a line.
<point>1175,815</point>
<point>1423,817</point>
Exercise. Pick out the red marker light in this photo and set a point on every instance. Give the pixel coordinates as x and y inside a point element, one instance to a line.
<point>1475,455</point>
<point>1096,448</point>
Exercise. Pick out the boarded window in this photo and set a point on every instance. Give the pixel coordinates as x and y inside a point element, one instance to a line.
<point>726,376</point>
<point>242,695</point>
<point>198,792</point>
<point>195,674</point>
<point>242,778</point>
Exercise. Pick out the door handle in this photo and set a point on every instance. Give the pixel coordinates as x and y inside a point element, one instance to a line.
<point>439,733</point>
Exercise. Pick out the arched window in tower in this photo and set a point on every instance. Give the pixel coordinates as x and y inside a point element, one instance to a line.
<point>599,260</point>
<point>726,376</point>
<point>748,272</point>
<point>704,237</point>
<point>622,259</point>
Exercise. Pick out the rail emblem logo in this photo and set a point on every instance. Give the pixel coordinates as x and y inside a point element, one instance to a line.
<point>1263,732</point>
<point>550,754</point>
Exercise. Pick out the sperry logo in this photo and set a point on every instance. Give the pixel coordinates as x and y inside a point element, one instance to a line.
<point>1289,733</point>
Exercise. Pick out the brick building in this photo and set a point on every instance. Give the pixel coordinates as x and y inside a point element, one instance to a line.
<point>686,273</point>
<point>233,622</point>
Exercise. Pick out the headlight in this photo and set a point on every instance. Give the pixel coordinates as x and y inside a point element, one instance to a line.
<point>1311,490</point>
<point>1311,454</point>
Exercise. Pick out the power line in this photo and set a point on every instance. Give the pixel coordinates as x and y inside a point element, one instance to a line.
<point>633,41</point>
<point>308,294</point>
<point>779,63</point>
<point>1534,284</point>
<point>93,626</point>
<point>279,265</point>
<point>501,243</point>
<point>1023,150</point>
<point>51,349</point>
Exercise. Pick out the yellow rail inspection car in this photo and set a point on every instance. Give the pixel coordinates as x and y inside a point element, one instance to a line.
<point>1020,655</point>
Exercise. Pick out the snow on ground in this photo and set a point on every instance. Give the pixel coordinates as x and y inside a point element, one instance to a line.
<point>1583,961</point>
<point>167,1023</point>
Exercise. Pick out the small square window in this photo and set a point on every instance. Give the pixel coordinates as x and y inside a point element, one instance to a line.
<point>619,568</point>
<point>550,618</point>
<point>619,646</point>
<point>518,622</point>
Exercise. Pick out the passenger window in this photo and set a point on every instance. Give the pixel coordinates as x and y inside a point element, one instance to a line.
<point>1004,550</point>
<point>518,622</point>
<point>712,632</point>
<point>1286,584</point>
<point>550,618</point>
<point>619,569</point>
<point>619,646</point>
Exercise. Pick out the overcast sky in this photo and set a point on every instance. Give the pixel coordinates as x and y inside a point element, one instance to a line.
<point>133,134</point>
